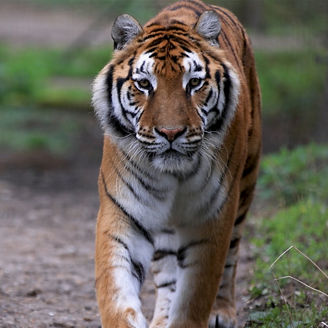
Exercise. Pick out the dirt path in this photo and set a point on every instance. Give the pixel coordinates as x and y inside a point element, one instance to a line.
<point>47,223</point>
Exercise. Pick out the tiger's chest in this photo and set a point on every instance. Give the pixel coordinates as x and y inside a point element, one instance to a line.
<point>166,200</point>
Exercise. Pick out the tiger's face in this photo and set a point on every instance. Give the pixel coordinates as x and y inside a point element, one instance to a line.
<point>168,96</point>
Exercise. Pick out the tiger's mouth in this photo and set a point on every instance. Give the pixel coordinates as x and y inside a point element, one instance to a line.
<point>171,152</point>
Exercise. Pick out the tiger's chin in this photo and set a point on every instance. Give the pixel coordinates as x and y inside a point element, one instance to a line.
<point>172,161</point>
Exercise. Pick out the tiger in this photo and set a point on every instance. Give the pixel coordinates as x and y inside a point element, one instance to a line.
<point>179,104</point>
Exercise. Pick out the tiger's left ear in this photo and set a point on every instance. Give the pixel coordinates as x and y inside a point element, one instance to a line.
<point>125,29</point>
<point>209,26</point>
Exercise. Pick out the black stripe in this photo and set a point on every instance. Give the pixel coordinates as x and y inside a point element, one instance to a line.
<point>158,41</point>
<point>156,193</point>
<point>111,119</point>
<point>139,271</point>
<point>184,48</point>
<point>128,185</point>
<point>153,24</point>
<point>120,241</point>
<point>177,7</point>
<point>161,253</point>
<point>118,128</point>
<point>227,90</point>
<point>167,284</point>
<point>240,219</point>
<point>228,266</point>
<point>246,194</point>
<point>217,324</point>
<point>168,231</point>
<point>223,175</point>
<point>181,253</point>
<point>186,265</point>
<point>109,84</point>
<point>137,167</point>
<point>209,96</point>
<point>251,163</point>
<point>207,63</point>
<point>234,242</point>
<point>136,223</point>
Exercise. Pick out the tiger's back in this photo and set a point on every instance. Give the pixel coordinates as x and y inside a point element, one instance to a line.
<point>180,107</point>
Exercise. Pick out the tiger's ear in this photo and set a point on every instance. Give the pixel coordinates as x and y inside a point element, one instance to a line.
<point>209,26</point>
<point>125,28</point>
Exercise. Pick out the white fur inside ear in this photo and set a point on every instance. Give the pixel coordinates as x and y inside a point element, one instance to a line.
<point>209,26</point>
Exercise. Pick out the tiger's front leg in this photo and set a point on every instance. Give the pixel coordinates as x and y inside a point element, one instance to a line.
<point>123,253</point>
<point>201,258</point>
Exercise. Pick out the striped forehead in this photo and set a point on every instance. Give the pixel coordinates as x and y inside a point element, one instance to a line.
<point>168,51</point>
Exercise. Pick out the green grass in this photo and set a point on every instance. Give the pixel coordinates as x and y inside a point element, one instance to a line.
<point>296,183</point>
<point>28,129</point>
<point>289,176</point>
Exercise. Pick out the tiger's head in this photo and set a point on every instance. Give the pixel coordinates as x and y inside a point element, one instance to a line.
<point>169,94</point>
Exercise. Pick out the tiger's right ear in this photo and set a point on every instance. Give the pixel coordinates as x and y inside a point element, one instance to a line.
<point>125,28</point>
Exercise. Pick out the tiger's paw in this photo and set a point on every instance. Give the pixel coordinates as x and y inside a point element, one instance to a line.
<point>128,318</point>
<point>135,319</point>
<point>223,317</point>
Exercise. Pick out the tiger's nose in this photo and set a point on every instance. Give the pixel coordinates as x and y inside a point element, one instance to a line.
<point>170,133</point>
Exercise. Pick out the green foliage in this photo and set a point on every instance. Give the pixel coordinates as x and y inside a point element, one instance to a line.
<point>291,82</point>
<point>289,176</point>
<point>302,15</point>
<point>303,225</point>
<point>26,76</point>
<point>298,179</point>
<point>28,129</point>
<point>278,317</point>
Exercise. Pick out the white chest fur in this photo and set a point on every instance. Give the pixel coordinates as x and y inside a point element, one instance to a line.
<point>161,200</point>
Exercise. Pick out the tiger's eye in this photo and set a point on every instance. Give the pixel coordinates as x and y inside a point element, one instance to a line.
<point>144,83</point>
<point>195,82</point>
